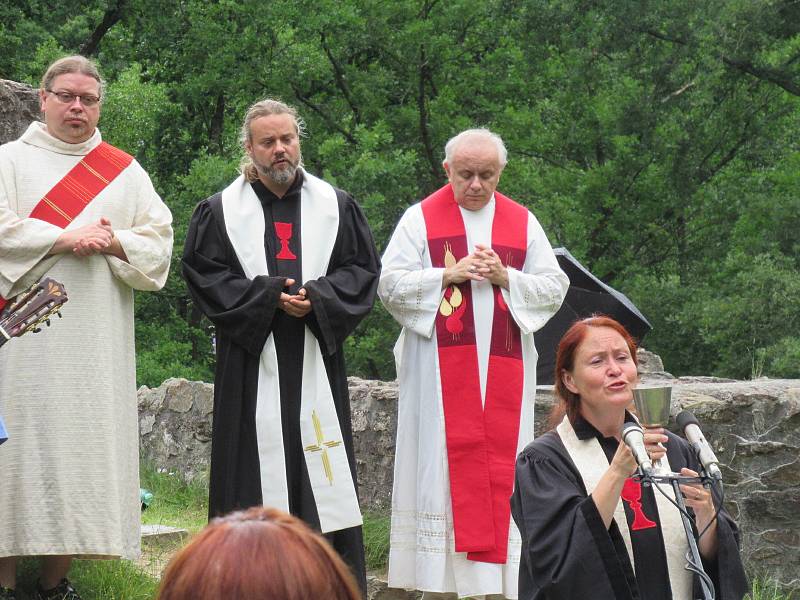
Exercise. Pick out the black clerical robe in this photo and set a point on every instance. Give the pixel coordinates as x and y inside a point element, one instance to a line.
<point>568,553</point>
<point>245,313</point>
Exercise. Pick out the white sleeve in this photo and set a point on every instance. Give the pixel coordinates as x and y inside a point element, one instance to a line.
<point>536,292</point>
<point>147,242</point>
<point>24,242</point>
<point>410,288</point>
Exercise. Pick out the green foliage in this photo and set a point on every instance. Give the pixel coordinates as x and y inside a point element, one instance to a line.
<point>132,112</point>
<point>756,307</point>
<point>656,141</point>
<point>165,350</point>
<point>370,349</point>
<point>782,359</point>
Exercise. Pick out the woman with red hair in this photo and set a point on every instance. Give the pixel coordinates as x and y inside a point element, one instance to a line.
<point>589,530</point>
<point>257,554</point>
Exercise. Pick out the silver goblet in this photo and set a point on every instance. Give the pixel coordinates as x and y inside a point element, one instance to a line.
<point>652,407</point>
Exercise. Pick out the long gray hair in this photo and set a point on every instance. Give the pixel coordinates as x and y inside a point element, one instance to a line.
<point>264,108</point>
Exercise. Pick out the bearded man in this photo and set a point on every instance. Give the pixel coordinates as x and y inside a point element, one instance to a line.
<point>285,267</point>
<point>470,275</point>
<point>85,213</point>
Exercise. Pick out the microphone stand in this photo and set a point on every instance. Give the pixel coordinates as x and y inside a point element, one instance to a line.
<point>696,563</point>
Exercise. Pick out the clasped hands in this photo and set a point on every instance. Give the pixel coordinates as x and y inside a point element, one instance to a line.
<point>482,264</point>
<point>88,240</point>
<point>294,305</point>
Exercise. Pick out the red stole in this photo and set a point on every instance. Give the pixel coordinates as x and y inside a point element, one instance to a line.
<point>79,187</point>
<point>481,438</point>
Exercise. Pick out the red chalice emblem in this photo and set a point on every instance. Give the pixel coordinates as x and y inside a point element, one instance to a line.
<point>632,494</point>
<point>284,233</point>
<point>453,322</point>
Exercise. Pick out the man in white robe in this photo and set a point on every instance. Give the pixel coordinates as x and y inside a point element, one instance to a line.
<point>425,294</point>
<point>69,473</point>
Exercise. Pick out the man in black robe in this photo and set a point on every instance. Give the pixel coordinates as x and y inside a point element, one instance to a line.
<point>285,267</point>
<point>567,552</point>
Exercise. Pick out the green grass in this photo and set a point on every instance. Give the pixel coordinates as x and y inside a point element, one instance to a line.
<point>376,540</point>
<point>185,504</point>
<point>95,580</point>
<point>182,504</point>
<point>176,502</point>
<point>766,589</point>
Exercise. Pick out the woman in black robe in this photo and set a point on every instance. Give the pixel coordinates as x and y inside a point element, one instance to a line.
<point>572,546</point>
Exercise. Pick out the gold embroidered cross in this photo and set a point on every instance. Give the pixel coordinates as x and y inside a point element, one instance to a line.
<point>322,446</point>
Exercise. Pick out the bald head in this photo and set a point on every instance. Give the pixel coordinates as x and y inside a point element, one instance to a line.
<point>476,137</point>
<point>474,160</point>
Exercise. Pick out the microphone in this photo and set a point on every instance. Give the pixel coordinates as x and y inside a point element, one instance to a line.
<point>633,436</point>
<point>691,429</point>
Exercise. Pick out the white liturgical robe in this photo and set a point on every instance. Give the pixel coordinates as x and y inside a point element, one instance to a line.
<point>69,473</point>
<point>422,554</point>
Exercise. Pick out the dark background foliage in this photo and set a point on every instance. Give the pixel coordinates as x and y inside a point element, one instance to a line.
<point>657,141</point>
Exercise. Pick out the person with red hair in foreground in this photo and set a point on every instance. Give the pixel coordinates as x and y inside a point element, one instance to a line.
<point>589,530</point>
<point>260,553</point>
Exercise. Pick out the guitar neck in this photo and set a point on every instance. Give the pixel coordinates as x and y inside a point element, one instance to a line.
<point>31,308</point>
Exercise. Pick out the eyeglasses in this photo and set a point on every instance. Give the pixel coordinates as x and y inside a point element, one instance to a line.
<point>69,98</point>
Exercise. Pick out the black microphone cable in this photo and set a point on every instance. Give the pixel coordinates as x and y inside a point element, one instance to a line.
<point>691,565</point>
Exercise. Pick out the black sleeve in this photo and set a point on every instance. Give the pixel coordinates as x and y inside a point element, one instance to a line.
<point>567,552</point>
<point>242,309</point>
<point>726,568</point>
<point>346,293</point>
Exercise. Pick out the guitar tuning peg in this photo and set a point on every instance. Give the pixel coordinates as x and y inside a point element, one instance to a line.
<point>59,314</point>
<point>47,322</point>
<point>37,329</point>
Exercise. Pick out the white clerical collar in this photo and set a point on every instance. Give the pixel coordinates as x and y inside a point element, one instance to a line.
<point>37,135</point>
<point>487,210</point>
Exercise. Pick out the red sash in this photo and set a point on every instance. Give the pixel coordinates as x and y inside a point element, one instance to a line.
<point>79,187</point>
<point>481,438</point>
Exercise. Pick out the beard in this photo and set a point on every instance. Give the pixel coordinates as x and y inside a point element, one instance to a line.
<point>280,175</point>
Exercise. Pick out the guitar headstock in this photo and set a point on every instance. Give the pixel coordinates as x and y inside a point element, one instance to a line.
<point>31,308</point>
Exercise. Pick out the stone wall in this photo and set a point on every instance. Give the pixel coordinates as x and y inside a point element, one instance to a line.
<point>19,105</point>
<point>175,426</point>
<point>753,425</point>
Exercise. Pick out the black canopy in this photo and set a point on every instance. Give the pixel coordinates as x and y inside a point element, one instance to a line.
<point>587,295</point>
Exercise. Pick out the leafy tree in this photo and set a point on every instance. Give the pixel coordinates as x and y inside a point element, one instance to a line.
<point>657,141</point>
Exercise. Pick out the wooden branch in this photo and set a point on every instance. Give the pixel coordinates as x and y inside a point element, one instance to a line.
<point>677,92</point>
<point>422,106</point>
<point>732,152</point>
<point>339,77</point>
<point>325,117</point>
<point>426,8</point>
<point>664,37</point>
<point>792,60</point>
<point>547,159</point>
<point>217,123</point>
<point>774,76</point>
<point>112,15</point>
<point>638,172</point>
<point>779,78</point>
